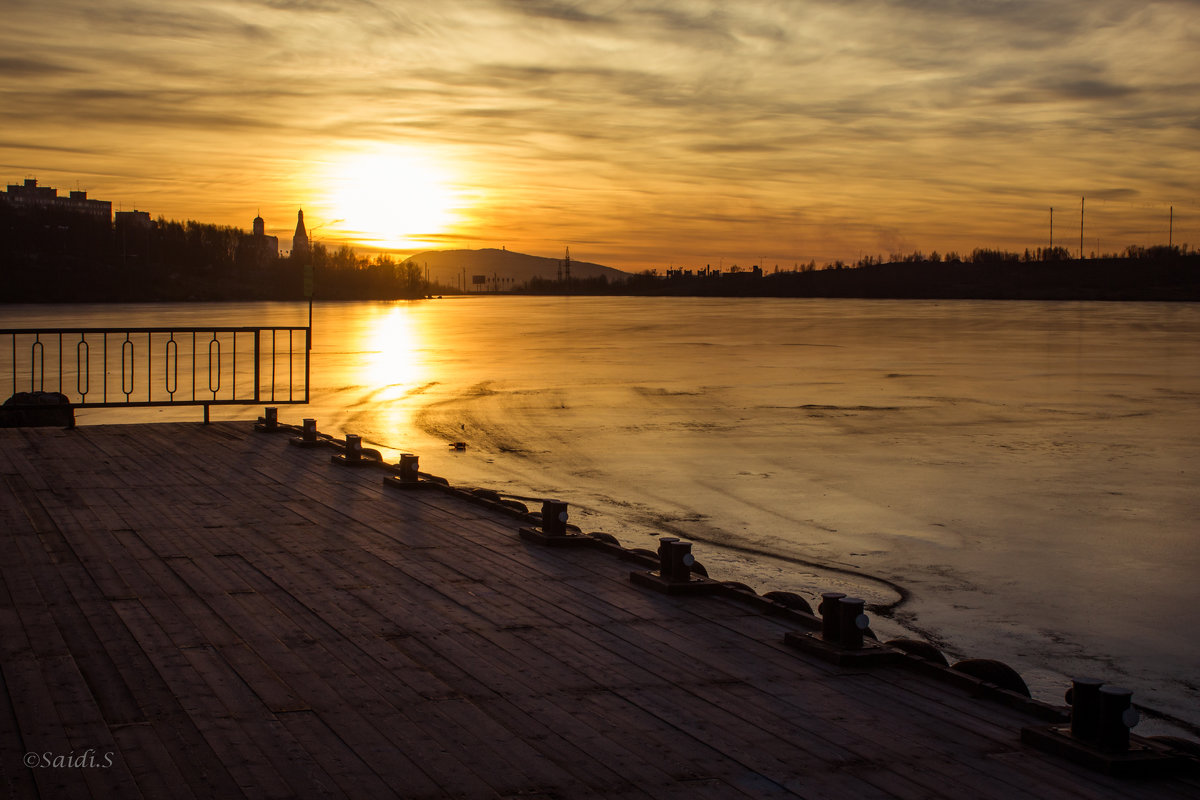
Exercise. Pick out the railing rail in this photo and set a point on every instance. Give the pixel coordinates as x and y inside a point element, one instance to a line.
<point>158,366</point>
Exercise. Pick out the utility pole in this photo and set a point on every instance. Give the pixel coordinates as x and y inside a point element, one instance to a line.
<point>1051,227</point>
<point>1081,228</point>
<point>1171,231</point>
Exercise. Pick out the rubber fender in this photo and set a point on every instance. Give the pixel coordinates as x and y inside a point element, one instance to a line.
<point>516,504</point>
<point>997,672</point>
<point>487,494</point>
<point>372,453</point>
<point>699,569</point>
<point>641,551</point>
<point>738,585</point>
<point>920,649</point>
<point>434,479</point>
<point>608,538</point>
<point>790,600</point>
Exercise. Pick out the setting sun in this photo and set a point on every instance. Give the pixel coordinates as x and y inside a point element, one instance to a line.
<point>388,199</point>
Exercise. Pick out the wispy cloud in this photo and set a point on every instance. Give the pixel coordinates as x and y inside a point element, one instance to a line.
<point>815,129</point>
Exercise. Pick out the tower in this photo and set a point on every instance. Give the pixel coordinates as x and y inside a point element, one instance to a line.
<point>300,238</point>
<point>260,227</point>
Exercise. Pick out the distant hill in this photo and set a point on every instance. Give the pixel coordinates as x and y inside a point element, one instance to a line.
<point>447,267</point>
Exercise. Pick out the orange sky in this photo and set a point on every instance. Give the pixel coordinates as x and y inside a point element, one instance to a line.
<point>640,134</point>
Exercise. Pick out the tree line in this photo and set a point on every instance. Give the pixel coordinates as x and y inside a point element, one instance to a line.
<point>50,255</point>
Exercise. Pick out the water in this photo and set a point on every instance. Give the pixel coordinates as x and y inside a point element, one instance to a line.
<point>1025,472</point>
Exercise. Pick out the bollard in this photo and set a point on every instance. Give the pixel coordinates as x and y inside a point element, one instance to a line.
<point>409,475</point>
<point>851,622</point>
<point>840,641</point>
<point>831,626</point>
<point>408,468</point>
<point>554,518</point>
<point>676,558</point>
<point>269,422</point>
<point>554,527</point>
<point>352,453</point>
<point>1084,699</point>
<point>1116,718</point>
<point>674,574</point>
<point>308,434</point>
<point>1099,736</point>
<point>664,559</point>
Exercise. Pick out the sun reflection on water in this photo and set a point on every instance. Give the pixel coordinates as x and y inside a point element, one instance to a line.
<point>394,352</point>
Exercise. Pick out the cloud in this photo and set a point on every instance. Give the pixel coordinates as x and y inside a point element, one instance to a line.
<point>31,67</point>
<point>836,108</point>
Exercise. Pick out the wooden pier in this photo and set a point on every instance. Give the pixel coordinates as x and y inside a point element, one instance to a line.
<point>205,611</point>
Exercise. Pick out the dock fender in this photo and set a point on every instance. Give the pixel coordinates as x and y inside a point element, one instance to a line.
<point>608,538</point>
<point>920,649</point>
<point>739,586</point>
<point>996,672</point>
<point>790,600</point>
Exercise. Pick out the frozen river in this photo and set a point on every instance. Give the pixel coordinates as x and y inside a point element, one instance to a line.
<point>1026,472</point>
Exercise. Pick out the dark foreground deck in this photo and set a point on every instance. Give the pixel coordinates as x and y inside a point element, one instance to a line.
<point>202,611</point>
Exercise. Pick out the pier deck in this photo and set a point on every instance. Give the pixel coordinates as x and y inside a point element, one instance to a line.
<point>204,611</point>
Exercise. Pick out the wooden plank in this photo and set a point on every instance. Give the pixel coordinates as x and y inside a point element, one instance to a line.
<point>299,630</point>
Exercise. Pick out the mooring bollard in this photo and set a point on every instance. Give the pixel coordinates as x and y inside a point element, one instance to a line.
<point>352,453</point>
<point>553,530</point>
<point>852,622</point>
<point>269,422</point>
<point>554,518</point>
<point>831,625</point>
<point>674,573</point>
<point>408,468</point>
<point>678,558</point>
<point>841,641</point>
<point>308,434</point>
<point>664,558</point>
<point>1117,716</point>
<point>409,476</point>
<point>1084,699</point>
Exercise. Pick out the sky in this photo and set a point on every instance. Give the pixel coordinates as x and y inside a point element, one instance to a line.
<point>639,134</point>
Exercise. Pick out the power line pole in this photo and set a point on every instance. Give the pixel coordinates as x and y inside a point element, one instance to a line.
<point>1081,228</point>
<point>1171,231</point>
<point>1051,227</point>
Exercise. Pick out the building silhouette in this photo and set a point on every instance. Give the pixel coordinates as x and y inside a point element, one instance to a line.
<point>300,245</point>
<point>258,249</point>
<point>31,197</point>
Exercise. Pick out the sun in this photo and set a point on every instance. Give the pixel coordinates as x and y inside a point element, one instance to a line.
<point>389,198</point>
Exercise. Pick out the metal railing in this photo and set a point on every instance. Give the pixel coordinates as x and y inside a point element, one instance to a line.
<point>186,366</point>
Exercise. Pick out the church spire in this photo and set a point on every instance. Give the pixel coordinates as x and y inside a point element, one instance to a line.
<point>300,238</point>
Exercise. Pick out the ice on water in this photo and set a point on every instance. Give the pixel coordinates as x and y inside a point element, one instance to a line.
<point>1026,471</point>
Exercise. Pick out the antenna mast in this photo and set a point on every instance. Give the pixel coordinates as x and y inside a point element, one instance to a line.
<point>1081,228</point>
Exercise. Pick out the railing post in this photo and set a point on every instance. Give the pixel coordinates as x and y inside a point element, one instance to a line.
<point>257,356</point>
